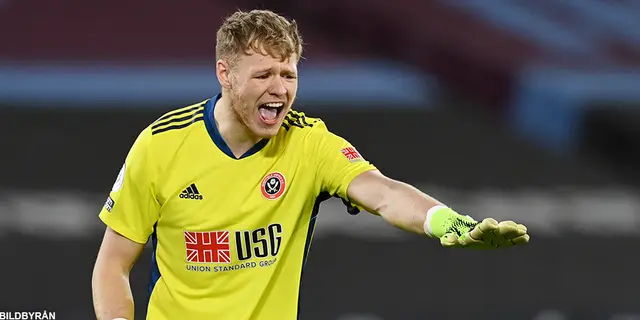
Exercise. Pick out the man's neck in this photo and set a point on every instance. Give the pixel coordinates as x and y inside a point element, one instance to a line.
<point>234,133</point>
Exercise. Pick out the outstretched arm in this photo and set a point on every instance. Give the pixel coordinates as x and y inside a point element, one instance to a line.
<point>410,209</point>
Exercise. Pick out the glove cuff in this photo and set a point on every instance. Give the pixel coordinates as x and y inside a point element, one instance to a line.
<point>441,220</point>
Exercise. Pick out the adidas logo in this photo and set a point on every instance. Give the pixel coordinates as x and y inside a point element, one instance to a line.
<point>191,192</point>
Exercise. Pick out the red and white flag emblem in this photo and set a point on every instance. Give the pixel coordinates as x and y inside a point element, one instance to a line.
<point>351,153</point>
<point>207,246</point>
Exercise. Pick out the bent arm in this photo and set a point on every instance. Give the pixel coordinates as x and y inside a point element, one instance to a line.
<point>112,297</point>
<point>397,202</point>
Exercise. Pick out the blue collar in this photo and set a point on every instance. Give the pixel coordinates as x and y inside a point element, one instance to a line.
<point>212,129</point>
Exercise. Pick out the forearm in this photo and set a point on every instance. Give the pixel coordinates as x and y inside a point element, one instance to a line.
<point>405,206</point>
<point>112,296</point>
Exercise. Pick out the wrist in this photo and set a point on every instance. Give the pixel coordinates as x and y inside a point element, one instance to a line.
<point>441,220</point>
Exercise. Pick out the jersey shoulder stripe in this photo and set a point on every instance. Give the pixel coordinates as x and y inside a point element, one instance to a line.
<point>297,119</point>
<point>178,119</point>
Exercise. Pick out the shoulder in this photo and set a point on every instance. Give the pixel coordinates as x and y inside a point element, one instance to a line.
<point>177,119</point>
<point>307,134</point>
<point>297,123</point>
<point>167,133</point>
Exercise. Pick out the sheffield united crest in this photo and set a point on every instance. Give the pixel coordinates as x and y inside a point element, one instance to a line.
<point>273,185</point>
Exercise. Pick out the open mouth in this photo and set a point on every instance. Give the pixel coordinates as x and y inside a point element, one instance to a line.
<point>269,112</point>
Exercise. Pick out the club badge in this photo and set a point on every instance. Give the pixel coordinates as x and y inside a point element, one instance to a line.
<point>273,185</point>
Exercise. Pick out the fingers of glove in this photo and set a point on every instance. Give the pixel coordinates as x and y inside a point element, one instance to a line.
<point>487,241</point>
<point>487,226</point>
<point>508,229</point>
<point>466,239</point>
<point>512,231</point>
<point>520,240</point>
<point>522,229</point>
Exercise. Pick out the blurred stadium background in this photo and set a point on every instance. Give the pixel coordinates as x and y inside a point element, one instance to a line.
<point>520,109</point>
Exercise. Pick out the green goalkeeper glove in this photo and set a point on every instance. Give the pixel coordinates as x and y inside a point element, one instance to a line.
<point>457,231</point>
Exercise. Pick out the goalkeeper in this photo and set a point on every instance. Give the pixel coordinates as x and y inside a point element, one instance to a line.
<point>233,183</point>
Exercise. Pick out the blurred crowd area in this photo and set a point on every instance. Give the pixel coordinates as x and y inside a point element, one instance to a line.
<point>516,109</point>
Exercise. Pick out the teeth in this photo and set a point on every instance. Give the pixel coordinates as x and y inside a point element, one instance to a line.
<point>274,104</point>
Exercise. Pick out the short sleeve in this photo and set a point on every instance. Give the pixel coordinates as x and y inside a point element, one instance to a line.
<point>132,208</point>
<point>338,162</point>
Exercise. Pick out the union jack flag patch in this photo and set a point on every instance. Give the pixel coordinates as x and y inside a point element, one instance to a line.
<point>207,247</point>
<point>351,154</point>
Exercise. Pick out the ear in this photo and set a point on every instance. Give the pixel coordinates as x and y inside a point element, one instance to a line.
<point>223,73</point>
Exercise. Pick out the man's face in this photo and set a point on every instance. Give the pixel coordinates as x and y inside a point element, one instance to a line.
<point>262,91</point>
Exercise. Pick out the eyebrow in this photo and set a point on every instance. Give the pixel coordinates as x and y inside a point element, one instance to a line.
<point>262,70</point>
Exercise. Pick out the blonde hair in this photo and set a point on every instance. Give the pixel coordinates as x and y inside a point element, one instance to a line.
<point>260,31</point>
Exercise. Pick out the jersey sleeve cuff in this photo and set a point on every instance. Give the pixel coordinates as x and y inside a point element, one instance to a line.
<point>121,228</point>
<point>348,178</point>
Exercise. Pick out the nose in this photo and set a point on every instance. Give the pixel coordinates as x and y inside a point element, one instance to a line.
<point>277,87</point>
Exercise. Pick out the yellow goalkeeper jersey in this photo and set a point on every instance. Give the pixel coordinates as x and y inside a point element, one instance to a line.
<point>230,235</point>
